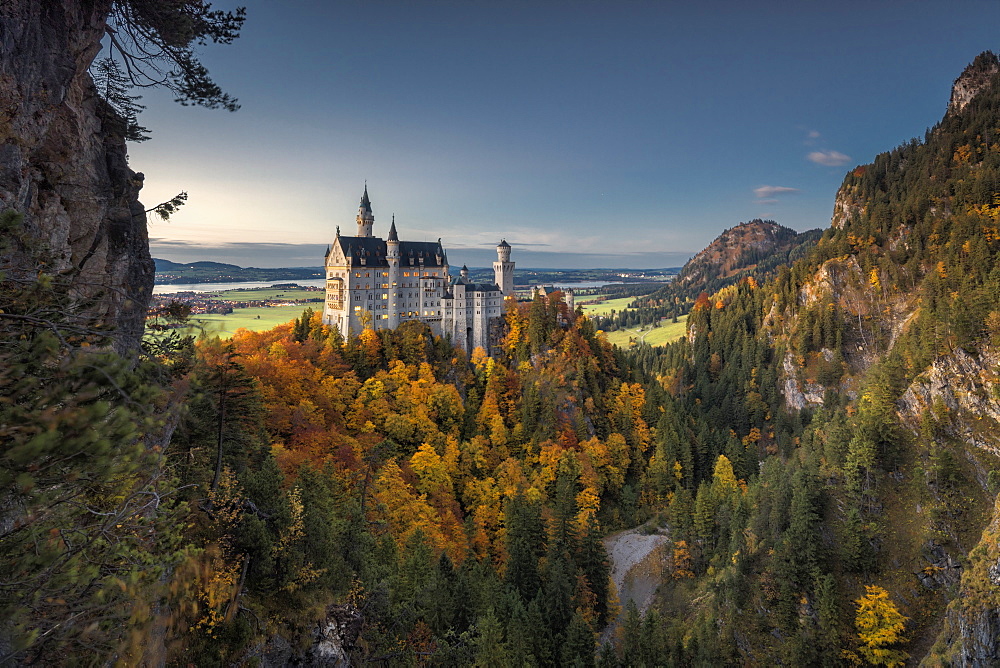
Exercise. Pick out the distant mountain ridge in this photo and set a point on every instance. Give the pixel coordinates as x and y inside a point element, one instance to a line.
<point>740,250</point>
<point>169,272</point>
<point>167,265</point>
<point>755,248</point>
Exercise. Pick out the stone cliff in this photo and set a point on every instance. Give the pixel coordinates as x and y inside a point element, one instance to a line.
<point>63,170</point>
<point>973,79</point>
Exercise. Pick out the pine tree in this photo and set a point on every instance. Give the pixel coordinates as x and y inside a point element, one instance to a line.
<point>123,108</point>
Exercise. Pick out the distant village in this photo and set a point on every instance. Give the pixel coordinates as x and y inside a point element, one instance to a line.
<point>219,303</point>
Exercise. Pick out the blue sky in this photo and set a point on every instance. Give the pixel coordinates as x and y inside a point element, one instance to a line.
<point>588,134</point>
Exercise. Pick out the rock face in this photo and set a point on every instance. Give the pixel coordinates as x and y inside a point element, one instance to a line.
<point>973,79</point>
<point>971,633</point>
<point>333,638</point>
<point>847,204</point>
<point>62,170</point>
<point>963,391</point>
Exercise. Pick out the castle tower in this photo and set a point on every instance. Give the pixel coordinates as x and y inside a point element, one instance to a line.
<point>503,269</point>
<point>366,219</point>
<point>392,259</point>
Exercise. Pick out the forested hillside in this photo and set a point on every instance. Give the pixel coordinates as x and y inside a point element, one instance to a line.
<point>753,249</point>
<point>822,449</point>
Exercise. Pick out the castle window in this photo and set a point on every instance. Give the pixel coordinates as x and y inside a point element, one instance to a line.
<point>368,274</point>
<point>385,273</point>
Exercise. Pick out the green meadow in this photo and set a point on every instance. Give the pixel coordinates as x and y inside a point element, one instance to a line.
<point>605,307</point>
<point>667,332</point>
<point>268,293</point>
<point>255,319</point>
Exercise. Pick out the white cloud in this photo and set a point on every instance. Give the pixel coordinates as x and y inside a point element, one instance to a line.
<point>767,192</point>
<point>829,158</point>
<point>813,134</point>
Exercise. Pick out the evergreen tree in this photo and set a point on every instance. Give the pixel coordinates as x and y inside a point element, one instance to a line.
<point>122,114</point>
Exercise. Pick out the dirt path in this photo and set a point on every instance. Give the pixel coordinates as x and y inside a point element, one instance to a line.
<point>637,561</point>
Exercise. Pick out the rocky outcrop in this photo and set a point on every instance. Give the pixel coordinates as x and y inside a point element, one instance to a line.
<point>333,639</point>
<point>799,395</point>
<point>971,633</point>
<point>973,79</point>
<point>846,206</point>
<point>63,170</point>
<point>962,394</point>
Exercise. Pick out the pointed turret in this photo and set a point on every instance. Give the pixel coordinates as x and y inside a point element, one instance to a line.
<point>366,204</point>
<point>366,218</point>
<point>464,273</point>
<point>392,244</point>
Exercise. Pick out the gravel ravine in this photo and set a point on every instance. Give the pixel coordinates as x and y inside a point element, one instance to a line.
<point>636,569</point>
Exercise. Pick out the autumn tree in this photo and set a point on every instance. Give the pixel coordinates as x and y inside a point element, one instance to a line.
<point>880,628</point>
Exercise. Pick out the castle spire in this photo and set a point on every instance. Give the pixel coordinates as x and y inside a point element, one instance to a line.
<point>392,230</point>
<point>366,219</point>
<point>365,202</point>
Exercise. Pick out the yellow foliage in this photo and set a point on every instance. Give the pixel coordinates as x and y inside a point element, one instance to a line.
<point>874,279</point>
<point>682,560</point>
<point>880,628</point>
<point>963,155</point>
<point>723,479</point>
<point>432,474</point>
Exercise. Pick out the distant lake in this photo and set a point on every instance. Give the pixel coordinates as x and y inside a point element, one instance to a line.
<point>311,282</point>
<point>240,285</point>
<point>584,284</point>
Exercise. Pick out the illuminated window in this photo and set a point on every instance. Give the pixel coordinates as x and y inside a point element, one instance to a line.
<point>406,273</point>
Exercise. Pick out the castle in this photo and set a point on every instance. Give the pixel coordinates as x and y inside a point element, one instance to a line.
<point>371,282</point>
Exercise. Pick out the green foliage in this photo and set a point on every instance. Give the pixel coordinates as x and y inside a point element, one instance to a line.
<point>154,41</point>
<point>87,503</point>
<point>122,113</point>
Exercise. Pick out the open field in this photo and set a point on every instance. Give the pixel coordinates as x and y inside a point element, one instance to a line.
<point>256,319</point>
<point>606,307</point>
<point>667,332</point>
<point>263,294</point>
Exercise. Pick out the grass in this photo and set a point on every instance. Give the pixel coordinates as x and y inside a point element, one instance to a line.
<point>605,307</point>
<point>255,319</point>
<point>667,332</point>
